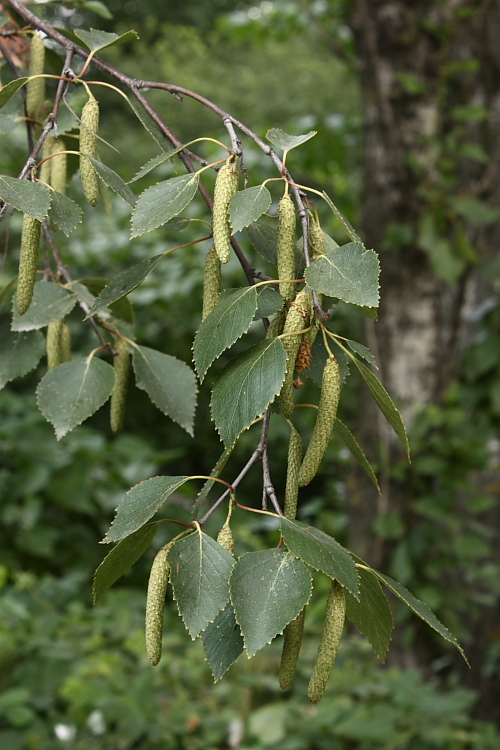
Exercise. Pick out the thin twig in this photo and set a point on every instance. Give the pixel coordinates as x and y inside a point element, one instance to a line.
<point>254,458</point>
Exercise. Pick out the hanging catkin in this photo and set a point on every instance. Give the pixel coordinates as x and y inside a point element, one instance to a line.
<point>35,94</point>
<point>28,260</point>
<point>286,247</point>
<point>297,319</point>
<point>226,185</point>
<point>211,282</point>
<point>330,640</point>
<point>89,126</point>
<point>121,364</point>
<point>155,605</point>
<point>325,420</point>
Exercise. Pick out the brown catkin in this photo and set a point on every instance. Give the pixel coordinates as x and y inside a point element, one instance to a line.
<point>121,365</point>
<point>35,94</point>
<point>54,344</point>
<point>225,538</point>
<point>316,239</point>
<point>298,318</point>
<point>286,247</point>
<point>88,147</point>
<point>325,420</point>
<point>155,605</point>
<point>303,361</point>
<point>329,644</point>
<point>226,185</point>
<point>28,260</point>
<point>291,648</point>
<point>211,282</point>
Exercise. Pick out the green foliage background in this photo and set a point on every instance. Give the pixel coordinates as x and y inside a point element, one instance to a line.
<point>76,677</point>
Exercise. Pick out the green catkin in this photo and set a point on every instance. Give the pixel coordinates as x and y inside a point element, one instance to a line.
<point>211,282</point>
<point>294,630</point>
<point>298,318</point>
<point>54,344</point>
<point>286,247</point>
<point>65,343</point>
<point>121,365</point>
<point>28,260</point>
<point>316,239</point>
<point>329,644</point>
<point>88,147</point>
<point>35,95</point>
<point>58,170</point>
<point>46,170</point>
<point>226,185</point>
<point>155,605</point>
<point>292,474</point>
<point>291,648</point>
<point>325,420</point>
<point>225,538</point>
<point>277,324</point>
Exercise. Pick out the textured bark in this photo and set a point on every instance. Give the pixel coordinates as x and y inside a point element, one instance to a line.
<point>423,320</point>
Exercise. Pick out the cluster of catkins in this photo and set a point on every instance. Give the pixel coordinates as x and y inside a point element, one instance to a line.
<point>294,326</point>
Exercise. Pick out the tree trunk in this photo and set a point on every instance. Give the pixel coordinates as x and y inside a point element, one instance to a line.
<point>430,80</point>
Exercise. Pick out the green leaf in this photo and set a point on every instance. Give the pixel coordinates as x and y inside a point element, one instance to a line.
<point>247,206</point>
<point>371,614</point>
<point>95,39</point>
<point>203,494</point>
<point>384,402</point>
<point>114,181</point>
<point>7,291</point>
<point>121,558</point>
<point>363,351</point>
<point>474,210</point>
<point>19,353</point>
<point>246,388</point>
<point>264,239</point>
<point>8,123</point>
<point>156,161</point>
<point>98,8</point>
<point>72,392</point>
<point>346,435</point>
<point>420,608</point>
<point>50,303</point>
<point>64,212</point>
<point>169,383</point>
<point>269,302</point>
<point>268,590</point>
<point>88,289</point>
<point>140,504</point>
<point>321,552</point>
<point>29,197</point>
<point>230,319</point>
<point>443,256</point>
<point>351,233</point>
<point>199,572</point>
<point>330,243</point>
<point>123,283</point>
<point>222,642</point>
<point>160,203</point>
<point>149,124</point>
<point>281,139</point>
<point>350,273</point>
<point>10,89</point>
